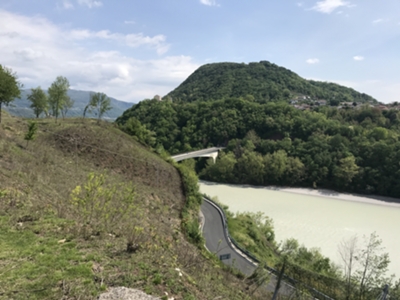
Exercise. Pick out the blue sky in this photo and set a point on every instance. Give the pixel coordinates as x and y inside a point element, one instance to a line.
<point>135,49</point>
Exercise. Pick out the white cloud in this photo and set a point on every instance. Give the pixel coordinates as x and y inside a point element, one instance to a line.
<point>90,3</point>
<point>328,6</point>
<point>358,58</point>
<point>132,40</point>
<point>209,2</point>
<point>312,61</point>
<point>377,21</point>
<point>129,22</point>
<point>66,4</point>
<point>39,51</point>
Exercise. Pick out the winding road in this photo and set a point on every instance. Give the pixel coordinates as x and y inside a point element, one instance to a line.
<point>217,241</point>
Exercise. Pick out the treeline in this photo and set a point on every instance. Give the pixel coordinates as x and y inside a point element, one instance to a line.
<point>57,101</point>
<point>273,143</point>
<point>260,82</point>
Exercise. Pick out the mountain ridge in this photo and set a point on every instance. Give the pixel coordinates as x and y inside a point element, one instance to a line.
<point>21,106</point>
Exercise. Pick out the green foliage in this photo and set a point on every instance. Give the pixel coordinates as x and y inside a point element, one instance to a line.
<point>10,88</point>
<point>259,277</point>
<point>274,143</point>
<point>373,265</point>
<point>194,199</point>
<point>99,103</point>
<point>95,205</point>
<point>39,101</point>
<point>30,135</point>
<point>58,95</point>
<point>255,232</point>
<point>20,106</point>
<point>68,103</point>
<point>221,171</point>
<point>137,130</point>
<point>190,186</point>
<point>310,259</point>
<point>258,82</point>
<point>346,170</point>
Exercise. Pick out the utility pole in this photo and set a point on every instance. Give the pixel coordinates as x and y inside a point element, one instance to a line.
<point>385,293</point>
<point>278,284</point>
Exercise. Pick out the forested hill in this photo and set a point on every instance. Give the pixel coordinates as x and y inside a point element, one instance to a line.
<point>261,82</point>
<point>352,150</point>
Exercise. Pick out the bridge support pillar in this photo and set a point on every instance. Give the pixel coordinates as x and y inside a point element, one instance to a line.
<point>214,156</point>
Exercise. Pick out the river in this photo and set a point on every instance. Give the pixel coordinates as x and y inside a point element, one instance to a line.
<point>321,219</point>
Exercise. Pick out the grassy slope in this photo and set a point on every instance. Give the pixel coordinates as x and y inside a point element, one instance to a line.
<point>43,254</point>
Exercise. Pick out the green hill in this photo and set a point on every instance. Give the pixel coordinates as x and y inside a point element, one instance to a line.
<point>264,81</point>
<point>85,207</point>
<point>21,106</point>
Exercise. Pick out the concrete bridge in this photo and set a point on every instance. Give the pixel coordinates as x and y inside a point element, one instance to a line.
<point>210,152</point>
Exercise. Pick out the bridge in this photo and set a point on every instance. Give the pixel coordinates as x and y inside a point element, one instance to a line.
<point>209,152</point>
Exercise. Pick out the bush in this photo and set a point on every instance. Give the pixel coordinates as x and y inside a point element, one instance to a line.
<point>99,207</point>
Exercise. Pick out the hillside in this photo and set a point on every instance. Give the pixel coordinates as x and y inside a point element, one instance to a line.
<point>264,81</point>
<point>352,150</point>
<point>21,106</point>
<point>84,207</point>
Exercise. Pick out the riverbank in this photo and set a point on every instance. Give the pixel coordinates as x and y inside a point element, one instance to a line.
<point>317,218</point>
<point>370,199</point>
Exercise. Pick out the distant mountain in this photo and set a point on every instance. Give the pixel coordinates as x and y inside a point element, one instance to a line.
<point>263,81</point>
<point>21,107</point>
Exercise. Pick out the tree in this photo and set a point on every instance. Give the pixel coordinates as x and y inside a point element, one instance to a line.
<point>275,166</point>
<point>86,109</point>
<point>347,251</point>
<point>68,103</point>
<point>250,168</point>
<point>222,170</point>
<point>58,95</point>
<point>30,135</point>
<point>100,103</point>
<point>346,170</point>
<point>10,88</point>
<point>140,132</point>
<point>39,101</point>
<point>374,265</point>
<point>259,277</point>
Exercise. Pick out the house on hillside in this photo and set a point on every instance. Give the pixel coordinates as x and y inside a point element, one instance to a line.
<point>157,97</point>
<point>321,102</point>
<point>382,107</point>
<point>302,106</point>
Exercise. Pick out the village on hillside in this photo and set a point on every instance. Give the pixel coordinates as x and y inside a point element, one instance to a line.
<point>303,102</point>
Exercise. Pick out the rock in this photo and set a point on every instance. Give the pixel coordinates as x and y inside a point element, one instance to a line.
<point>123,293</point>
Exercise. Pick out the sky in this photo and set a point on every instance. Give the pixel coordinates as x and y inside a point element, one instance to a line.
<point>136,49</point>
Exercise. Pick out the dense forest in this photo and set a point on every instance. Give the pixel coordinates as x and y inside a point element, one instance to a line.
<point>274,143</point>
<point>260,82</point>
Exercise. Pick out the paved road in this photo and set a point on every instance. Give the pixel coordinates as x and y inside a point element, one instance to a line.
<point>217,242</point>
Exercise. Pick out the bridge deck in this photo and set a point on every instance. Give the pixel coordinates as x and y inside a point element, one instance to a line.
<point>209,152</point>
